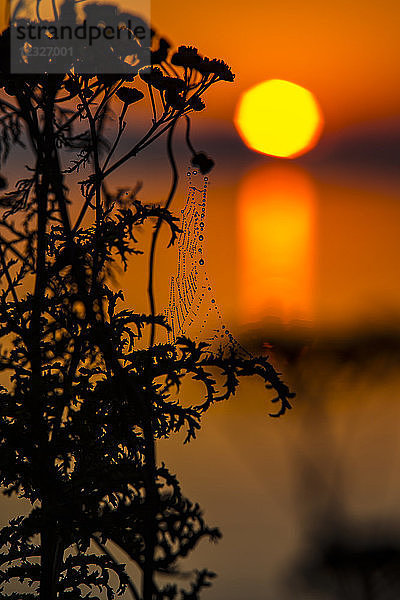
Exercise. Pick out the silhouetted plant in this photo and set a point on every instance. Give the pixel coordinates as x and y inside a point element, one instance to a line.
<point>85,404</point>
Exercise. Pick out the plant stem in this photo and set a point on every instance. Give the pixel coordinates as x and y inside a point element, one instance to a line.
<point>174,184</point>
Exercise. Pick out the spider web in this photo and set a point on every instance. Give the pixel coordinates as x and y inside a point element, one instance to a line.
<point>192,308</point>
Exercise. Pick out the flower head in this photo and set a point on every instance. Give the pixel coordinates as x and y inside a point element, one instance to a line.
<point>173,84</point>
<point>216,67</point>
<point>203,162</point>
<point>152,76</point>
<point>187,56</point>
<point>129,95</point>
<point>174,99</point>
<point>196,103</point>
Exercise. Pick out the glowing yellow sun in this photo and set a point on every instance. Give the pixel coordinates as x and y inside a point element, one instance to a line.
<point>279,118</point>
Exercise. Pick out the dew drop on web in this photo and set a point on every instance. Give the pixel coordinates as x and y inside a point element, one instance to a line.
<point>192,309</point>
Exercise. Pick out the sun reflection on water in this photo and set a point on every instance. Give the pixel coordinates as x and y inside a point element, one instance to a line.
<point>276,221</point>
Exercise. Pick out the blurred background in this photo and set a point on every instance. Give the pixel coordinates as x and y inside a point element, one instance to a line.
<point>303,255</point>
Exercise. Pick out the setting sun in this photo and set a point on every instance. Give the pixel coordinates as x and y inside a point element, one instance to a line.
<point>279,118</point>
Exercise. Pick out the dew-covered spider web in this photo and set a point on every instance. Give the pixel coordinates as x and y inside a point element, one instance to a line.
<point>192,308</point>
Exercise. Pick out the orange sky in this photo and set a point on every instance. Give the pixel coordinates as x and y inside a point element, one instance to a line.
<point>345,52</point>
